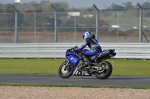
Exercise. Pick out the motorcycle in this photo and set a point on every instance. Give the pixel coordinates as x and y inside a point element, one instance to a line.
<point>100,68</point>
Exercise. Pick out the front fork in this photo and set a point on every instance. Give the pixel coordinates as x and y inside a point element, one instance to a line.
<point>67,66</point>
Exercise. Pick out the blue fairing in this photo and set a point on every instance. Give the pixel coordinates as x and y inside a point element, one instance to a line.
<point>72,57</point>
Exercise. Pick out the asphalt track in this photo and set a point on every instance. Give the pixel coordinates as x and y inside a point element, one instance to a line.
<point>77,80</point>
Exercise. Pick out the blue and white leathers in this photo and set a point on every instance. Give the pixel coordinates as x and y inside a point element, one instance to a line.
<point>95,48</point>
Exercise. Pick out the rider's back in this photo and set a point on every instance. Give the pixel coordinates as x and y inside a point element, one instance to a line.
<point>92,42</point>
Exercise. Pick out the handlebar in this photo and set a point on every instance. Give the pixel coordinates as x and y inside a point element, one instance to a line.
<point>74,49</point>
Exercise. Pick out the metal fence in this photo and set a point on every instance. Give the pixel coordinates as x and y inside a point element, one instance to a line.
<point>47,27</point>
<point>57,50</point>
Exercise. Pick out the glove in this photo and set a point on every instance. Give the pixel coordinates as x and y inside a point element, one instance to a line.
<point>75,50</point>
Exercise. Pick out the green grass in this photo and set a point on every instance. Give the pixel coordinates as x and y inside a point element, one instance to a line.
<point>29,66</point>
<point>131,67</point>
<point>50,66</point>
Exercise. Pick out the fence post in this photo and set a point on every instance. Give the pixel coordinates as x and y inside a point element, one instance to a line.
<point>16,27</point>
<point>16,24</point>
<point>97,22</point>
<point>34,26</point>
<point>117,24</point>
<point>55,22</point>
<point>141,22</point>
<point>75,27</point>
<point>34,18</point>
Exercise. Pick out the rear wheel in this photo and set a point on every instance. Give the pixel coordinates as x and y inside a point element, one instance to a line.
<point>65,70</point>
<point>104,70</point>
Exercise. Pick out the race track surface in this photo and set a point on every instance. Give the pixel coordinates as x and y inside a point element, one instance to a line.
<point>77,80</point>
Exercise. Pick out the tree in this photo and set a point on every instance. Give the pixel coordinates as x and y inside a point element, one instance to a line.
<point>9,8</point>
<point>128,5</point>
<point>116,7</point>
<point>7,19</point>
<point>64,5</point>
<point>1,8</point>
<point>146,6</point>
<point>61,6</point>
<point>37,8</point>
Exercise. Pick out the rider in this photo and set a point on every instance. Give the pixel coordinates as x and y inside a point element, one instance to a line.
<point>92,43</point>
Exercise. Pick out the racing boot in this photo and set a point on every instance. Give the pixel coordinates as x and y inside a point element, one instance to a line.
<point>86,61</point>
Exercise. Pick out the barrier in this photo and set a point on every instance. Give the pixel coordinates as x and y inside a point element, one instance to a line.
<point>57,50</point>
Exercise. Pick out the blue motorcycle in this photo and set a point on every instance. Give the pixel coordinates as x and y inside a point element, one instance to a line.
<point>74,64</point>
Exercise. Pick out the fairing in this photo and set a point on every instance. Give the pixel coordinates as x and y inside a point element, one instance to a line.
<point>73,58</point>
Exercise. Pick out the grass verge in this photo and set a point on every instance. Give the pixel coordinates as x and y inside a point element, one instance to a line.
<point>50,66</point>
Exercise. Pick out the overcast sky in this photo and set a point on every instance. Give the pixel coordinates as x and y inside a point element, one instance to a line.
<point>84,3</point>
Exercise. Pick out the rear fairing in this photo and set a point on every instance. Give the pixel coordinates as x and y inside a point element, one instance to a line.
<point>95,56</point>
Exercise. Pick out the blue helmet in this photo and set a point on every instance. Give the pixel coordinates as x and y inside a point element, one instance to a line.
<point>86,35</point>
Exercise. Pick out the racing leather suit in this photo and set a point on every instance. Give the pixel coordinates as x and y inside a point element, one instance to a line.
<point>95,48</point>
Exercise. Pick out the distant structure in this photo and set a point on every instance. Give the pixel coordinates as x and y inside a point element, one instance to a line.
<point>17,1</point>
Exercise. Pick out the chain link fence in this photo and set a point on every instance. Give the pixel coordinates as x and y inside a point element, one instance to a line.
<point>45,27</point>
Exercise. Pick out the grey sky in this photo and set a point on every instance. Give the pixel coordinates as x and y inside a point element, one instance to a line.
<point>85,3</point>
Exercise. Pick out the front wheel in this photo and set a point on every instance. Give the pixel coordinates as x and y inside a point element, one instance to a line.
<point>104,71</point>
<point>65,70</point>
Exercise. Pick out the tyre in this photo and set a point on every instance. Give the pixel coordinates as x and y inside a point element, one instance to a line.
<point>104,71</point>
<point>65,70</point>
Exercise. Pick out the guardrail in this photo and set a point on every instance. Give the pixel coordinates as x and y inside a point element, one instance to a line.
<point>57,50</point>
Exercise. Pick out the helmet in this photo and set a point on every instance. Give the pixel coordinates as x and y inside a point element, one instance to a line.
<point>86,35</point>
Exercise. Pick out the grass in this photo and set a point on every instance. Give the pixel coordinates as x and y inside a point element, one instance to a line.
<point>29,66</point>
<point>50,66</point>
<point>131,67</point>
